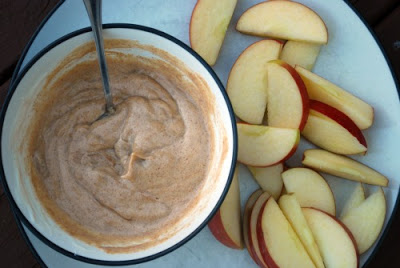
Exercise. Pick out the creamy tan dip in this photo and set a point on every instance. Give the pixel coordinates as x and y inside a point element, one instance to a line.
<point>121,183</point>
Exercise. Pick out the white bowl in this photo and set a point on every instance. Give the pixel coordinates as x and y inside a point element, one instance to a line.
<point>18,111</point>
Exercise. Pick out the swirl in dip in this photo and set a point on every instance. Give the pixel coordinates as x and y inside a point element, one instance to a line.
<point>125,182</point>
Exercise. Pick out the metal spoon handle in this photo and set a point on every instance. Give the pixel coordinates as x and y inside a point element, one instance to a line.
<point>93,8</point>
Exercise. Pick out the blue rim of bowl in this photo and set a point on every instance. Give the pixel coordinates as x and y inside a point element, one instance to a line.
<point>49,243</point>
<point>396,81</point>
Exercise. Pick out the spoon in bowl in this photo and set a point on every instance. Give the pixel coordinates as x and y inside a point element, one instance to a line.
<point>93,8</point>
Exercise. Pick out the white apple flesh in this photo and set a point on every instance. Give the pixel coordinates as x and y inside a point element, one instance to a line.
<point>334,240</point>
<point>288,103</point>
<point>324,91</point>
<point>269,179</point>
<point>292,211</point>
<point>366,221</point>
<point>311,189</point>
<point>332,130</point>
<point>279,244</point>
<point>263,146</point>
<point>284,20</point>
<point>300,53</point>
<point>226,224</point>
<point>208,25</point>
<point>247,81</point>
<point>356,198</point>
<point>343,167</point>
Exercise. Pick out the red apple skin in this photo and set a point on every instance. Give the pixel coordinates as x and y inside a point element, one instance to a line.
<point>303,91</point>
<point>250,245</point>
<point>251,249</point>
<point>261,241</point>
<point>347,231</point>
<point>218,230</point>
<point>339,117</point>
<point>252,252</point>
<point>294,149</point>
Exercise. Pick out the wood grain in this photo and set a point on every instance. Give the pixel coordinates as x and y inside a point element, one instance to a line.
<point>374,10</point>
<point>18,21</point>
<point>388,31</point>
<point>13,250</point>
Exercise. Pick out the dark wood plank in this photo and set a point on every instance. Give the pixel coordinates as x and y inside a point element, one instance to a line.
<point>389,34</point>
<point>14,251</point>
<point>388,254</point>
<point>374,10</point>
<point>18,21</point>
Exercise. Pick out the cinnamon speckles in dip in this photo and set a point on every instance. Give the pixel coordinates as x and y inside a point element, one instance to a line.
<point>124,182</point>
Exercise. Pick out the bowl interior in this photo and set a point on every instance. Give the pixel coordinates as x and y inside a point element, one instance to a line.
<point>20,112</point>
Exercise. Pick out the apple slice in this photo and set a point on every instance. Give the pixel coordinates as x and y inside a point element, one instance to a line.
<point>310,188</point>
<point>253,241</point>
<point>279,244</point>
<point>334,240</point>
<point>247,86</point>
<point>322,90</point>
<point>342,166</point>
<point>332,130</point>
<point>292,210</point>
<point>208,25</point>
<point>226,224</point>
<point>246,223</point>
<point>356,198</point>
<point>300,53</point>
<point>263,146</point>
<point>284,20</point>
<point>287,105</point>
<point>366,221</point>
<point>269,179</point>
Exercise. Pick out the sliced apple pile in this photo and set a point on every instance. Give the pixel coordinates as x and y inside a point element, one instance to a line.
<point>263,146</point>
<point>365,221</point>
<point>279,244</point>
<point>287,97</point>
<point>324,91</point>
<point>300,53</point>
<point>335,242</point>
<point>226,224</point>
<point>310,188</point>
<point>246,223</point>
<point>332,130</point>
<point>253,241</point>
<point>342,166</point>
<point>285,20</point>
<point>272,89</point>
<point>208,25</point>
<point>269,179</point>
<point>292,211</point>
<point>247,82</point>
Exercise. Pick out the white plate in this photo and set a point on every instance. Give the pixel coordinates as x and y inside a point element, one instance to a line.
<point>352,59</point>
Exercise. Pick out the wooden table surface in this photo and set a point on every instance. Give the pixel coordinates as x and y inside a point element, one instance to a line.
<point>20,18</point>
